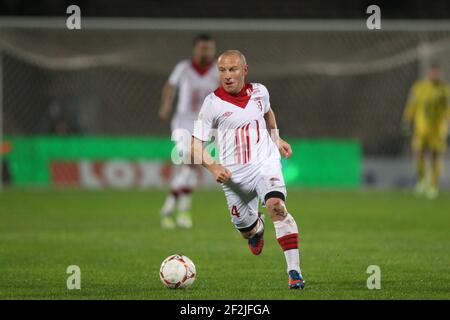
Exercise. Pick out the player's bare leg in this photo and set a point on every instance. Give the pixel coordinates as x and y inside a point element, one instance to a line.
<point>436,167</point>
<point>421,183</point>
<point>286,231</point>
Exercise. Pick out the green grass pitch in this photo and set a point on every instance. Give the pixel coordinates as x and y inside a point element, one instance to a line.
<point>115,238</point>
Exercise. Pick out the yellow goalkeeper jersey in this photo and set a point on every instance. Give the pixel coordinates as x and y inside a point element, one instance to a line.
<point>429,107</point>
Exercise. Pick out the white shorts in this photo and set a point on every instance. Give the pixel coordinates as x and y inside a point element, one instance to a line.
<point>243,194</point>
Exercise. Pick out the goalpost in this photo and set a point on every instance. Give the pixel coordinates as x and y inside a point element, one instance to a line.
<point>328,78</point>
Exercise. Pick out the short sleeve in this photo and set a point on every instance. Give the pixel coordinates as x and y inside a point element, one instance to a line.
<point>175,76</point>
<point>266,98</point>
<point>205,121</point>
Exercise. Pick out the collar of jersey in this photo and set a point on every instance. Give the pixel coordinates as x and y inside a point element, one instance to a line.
<point>241,99</point>
<point>200,69</point>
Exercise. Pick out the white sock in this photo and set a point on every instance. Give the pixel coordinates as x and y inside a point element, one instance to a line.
<point>183,182</point>
<point>293,260</point>
<point>184,202</point>
<point>260,226</point>
<point>287,235</point>
<point>169,205</point>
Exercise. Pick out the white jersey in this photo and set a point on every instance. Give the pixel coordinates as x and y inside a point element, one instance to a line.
<point>242,137</point>
<point>194,85</point>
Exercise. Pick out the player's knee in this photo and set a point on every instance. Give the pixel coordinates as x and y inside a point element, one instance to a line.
<point>276,208</point>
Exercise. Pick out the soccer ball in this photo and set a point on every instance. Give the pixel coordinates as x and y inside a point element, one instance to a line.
<point>177,271</point>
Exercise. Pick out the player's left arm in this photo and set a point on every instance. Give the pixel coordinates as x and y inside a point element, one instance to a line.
<point>271,124</point>
<point>412,103</point>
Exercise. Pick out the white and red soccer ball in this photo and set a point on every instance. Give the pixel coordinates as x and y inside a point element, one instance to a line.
<point>177,271</point>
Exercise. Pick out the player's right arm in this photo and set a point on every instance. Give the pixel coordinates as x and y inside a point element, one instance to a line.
<point>169,90</point>
<point>411,105</point>
<point>201,133</point>
<point>201,156</point>
<point>410,110</point>
<point>168,95</point>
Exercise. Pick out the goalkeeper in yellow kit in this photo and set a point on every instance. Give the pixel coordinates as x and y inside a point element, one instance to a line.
<point>428,108</point>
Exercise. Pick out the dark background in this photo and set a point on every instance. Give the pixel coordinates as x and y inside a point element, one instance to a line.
<point>123,98</point>
<point>282,9</point>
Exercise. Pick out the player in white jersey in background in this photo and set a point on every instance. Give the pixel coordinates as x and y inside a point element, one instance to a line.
<point>239,118</point>
<point>194,78</point>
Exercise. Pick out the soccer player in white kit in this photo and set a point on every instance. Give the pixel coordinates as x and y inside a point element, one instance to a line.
<point>194,78</point>
<point>239,118</point>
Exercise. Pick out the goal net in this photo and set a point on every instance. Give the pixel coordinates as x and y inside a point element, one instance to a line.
<point>326,80</point>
